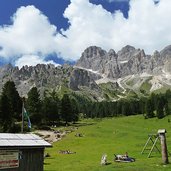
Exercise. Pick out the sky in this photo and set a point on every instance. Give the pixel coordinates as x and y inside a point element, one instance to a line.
<point>56,31</point>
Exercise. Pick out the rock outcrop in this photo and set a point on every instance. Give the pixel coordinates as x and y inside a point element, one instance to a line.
<point>83,78</point>
<point>127,61</point>
<point>128,69</point>
<point>42,76</point>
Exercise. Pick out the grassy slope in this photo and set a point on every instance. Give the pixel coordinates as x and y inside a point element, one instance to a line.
<point>146,86</point>
<point>113,135</point>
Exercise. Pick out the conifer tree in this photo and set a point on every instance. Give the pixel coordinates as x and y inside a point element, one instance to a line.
<point>160,107</point>
<point>6,119</point>
<point>51,107</point>
<point>33,105</point>
<point>14,99</point>
<point>75,111</point>
<point>149,109</point>
<point>66,109</point>
<point>166,108</point>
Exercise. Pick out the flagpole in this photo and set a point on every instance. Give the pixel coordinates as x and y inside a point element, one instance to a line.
<point>22,125</point>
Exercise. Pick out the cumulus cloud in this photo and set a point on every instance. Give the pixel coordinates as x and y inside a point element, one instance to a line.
<point>147,27</point>
<point>32,60</point>
<point>118,0</point>
<point>31,33</point>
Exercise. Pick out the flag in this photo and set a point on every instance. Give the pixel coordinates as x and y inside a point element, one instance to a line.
<point>27,117</point>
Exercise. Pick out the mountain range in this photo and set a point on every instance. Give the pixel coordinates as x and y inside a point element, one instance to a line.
<point>98,74</point>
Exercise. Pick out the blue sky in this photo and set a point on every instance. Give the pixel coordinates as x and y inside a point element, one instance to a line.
<point>53,9</point>
<point>55,31</point>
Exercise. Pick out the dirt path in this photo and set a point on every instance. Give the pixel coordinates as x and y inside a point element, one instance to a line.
<point>53,136</point>
<point>50,136</point>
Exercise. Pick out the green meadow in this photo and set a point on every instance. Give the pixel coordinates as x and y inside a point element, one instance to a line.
<point>109,136</point>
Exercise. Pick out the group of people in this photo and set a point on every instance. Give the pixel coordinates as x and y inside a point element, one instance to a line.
<point>66,152</point>
<point>118,158</point>
<point>121,157</point>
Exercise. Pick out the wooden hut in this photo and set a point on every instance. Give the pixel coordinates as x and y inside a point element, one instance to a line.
<point>21,152</point>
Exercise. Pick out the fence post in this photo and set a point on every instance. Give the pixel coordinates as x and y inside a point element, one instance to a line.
<point>162,136</point>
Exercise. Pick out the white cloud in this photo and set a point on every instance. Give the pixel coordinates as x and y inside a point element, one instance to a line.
<point>118,0</point>
<point>90,25</point>
<point>31,33</point>
<point>32,60</point>
<point>147,27</point>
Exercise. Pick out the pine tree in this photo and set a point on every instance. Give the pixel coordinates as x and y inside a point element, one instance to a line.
<point>166,108</point>
<point>15,101</point>
<point>66,109</point>
<point>119,107</point>
<point>51,107</point>
<point>33,105</point>
<point>149,109</point>
<point>75,111</point>
<point>6,119</point>
<point>160,107</point>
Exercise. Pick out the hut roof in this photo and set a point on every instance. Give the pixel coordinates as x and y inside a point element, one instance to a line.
<point>22,140</point>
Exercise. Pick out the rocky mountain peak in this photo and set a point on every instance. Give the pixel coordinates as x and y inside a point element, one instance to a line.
<point>7,67</point>
<point>127,48</point>
<point>166,52</point>
<point>5,70</point>
<point>95,66</point>
<point>113,65</point>
<point>91,58</point>
<point>93,52</point>
<point>126,53</point>
<point>143,53</point>
<point>156,53</point>
<point>112,52</point>
<point>42,76</point>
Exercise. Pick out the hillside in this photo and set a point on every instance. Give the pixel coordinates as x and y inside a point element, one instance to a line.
<point>110,136</point>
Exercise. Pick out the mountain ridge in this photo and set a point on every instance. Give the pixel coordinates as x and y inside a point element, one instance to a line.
<point>98,73</point>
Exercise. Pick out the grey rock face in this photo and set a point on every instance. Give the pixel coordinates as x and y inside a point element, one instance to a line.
<point>82,78</point>
<point>92,58</point>
<point>135,65</point>
<point>127,61</point>
<point>126,53</point>
<point>42,76</point>
<point>167,66</point>
<point>155,63</point>
<point>48,77</point>
<point>99,60</point>
<point>166,53</point>
<point>95,64</point>
<point>165,59</point>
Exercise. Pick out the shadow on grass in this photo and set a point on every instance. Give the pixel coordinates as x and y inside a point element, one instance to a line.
<point>46,163</point>
<point>83,124</point>
<point>108,163</point>
<point>49,158</point>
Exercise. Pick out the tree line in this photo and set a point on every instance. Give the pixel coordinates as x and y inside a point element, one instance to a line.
<point>52,110</point>
<point>156,105</point>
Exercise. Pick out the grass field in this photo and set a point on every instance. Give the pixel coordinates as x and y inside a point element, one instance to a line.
<point>110,136</point>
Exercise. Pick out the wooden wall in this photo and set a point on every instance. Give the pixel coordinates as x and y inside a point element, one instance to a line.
<point>31,160</point>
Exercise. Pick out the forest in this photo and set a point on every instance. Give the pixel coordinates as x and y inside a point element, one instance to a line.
<point>52,109</point>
